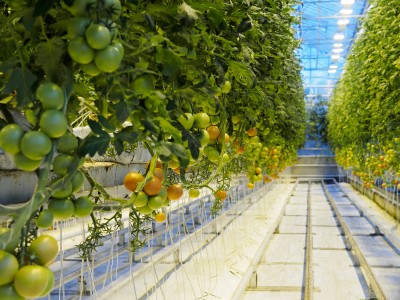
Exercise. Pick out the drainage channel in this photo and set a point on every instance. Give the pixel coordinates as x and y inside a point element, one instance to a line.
<point>309,256</point>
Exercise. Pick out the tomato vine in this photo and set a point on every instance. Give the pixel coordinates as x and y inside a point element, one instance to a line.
<point>144,74</point>
<point>363,115</point>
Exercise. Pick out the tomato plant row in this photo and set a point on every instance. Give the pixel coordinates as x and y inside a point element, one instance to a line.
<point>364,113</point>
<point>210,89</point>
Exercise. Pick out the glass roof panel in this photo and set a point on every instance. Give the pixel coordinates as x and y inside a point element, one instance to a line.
<point>327,31</point>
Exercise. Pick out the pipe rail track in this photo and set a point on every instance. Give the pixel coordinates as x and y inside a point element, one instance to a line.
<point>369,279</point>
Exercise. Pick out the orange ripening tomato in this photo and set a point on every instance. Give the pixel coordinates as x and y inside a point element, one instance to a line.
<point>132,179</point>
<point>220,195</point>
<point>175,191</point>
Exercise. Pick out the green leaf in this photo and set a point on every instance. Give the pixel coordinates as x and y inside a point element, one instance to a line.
<point>128,134</point>
<point>150,126</point>
<point>42,6</point>
<point>171,129</point>
<point>95,127</point>
<point>194,143</point>
<point>49,56</point>
<point>104,122</point>
<point>163,149</point>
<point>179,151</point>
<point>121,110</point>
<point>21,81</point>
<point>119,146</point>
<point>95,144</point>
<point>170,61</point>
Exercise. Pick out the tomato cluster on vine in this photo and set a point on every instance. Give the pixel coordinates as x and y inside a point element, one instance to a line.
<point>93,36</point>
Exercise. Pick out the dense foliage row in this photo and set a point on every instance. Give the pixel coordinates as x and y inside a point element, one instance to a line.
<point>210,88</point>
<point>364,114</point>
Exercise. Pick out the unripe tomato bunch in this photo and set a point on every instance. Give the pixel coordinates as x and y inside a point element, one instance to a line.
<point>30,149</point>
<point>33,278</point>
<point>93,36</point>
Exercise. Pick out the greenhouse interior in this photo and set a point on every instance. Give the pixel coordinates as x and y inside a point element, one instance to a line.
<point>187,150</point>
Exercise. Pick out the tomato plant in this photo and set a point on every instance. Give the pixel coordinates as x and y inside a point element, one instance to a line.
<point>144,74</point>
<point>363,118</point>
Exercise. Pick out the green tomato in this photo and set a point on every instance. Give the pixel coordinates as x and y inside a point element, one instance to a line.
<point>113,7</point>
<point>8,266</point>
<point>8,292</point>
<point>80,51</point>
<point>31,281</point>
<point>98,36</point>
<point>83,207</point>
<point>35,145</point>
<point>211,153</point>
<point>163,193</point>
<point>62,209</point>
<point>194,193</point>
<point>64,192</point>
<point>254,139</point>
<point>43,250</point>
<point>25,164</point>
<point>155,202</point>
<point>201,120</point>
<point>90,69</point>
<point>108,59</point>
<point>77,181</point>
<point>61,164</point>
<point>119,46</point>
<point>141,199</point>
<point>145,210</point>
<point>53,123</point>
<point>50,95</point>
<point>235,120</point>
<point>225,158</point>
<point>45,219</point>
<point>204,137</point>
<point>50,283</point>
<point>67,144</point>
<point>10,138</point>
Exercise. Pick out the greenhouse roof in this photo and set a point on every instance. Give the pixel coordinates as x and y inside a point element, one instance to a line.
<point>327,31</point>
